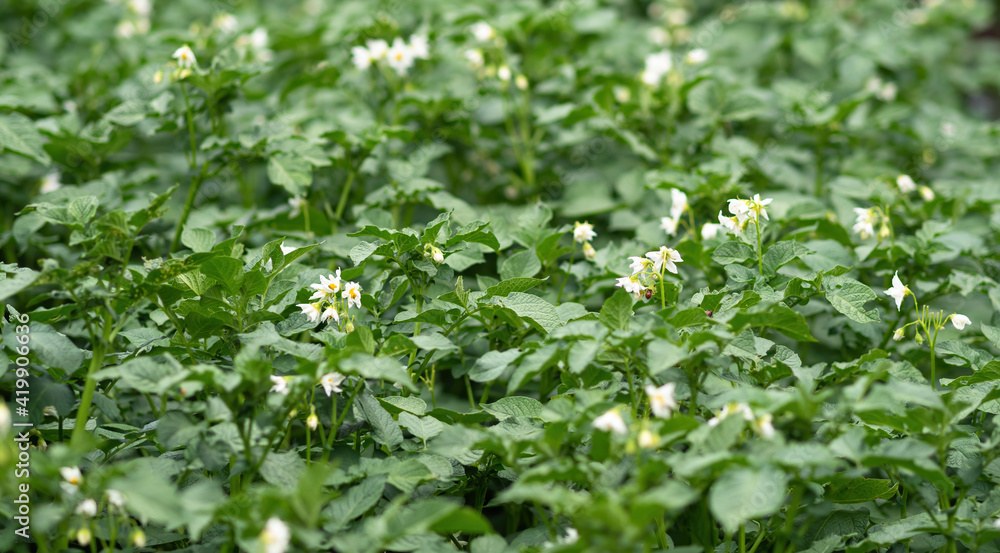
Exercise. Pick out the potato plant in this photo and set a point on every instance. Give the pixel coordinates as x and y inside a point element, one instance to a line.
<point>437,276</point>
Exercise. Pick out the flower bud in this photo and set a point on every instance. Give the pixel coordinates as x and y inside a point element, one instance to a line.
<point>312,422</point>
<point>521,82</point>
<point>648,440</point>
<point>437,255</point>
<point>83,536</point>
<point>349,327</point>
<point>588,251</point>
<point>926,193</point>
<point>898,335</point>
<point>919,339</point>
<point>139,538</point>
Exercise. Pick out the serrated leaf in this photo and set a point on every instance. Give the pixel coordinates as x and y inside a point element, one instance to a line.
<point>617,311</point>
<point>198,239</point>
<point>514,406</point>
<point>540,313</point>
<point>848,296</point>
<point>291,172</point>
<point>18,134</point>
<point>385,429</point>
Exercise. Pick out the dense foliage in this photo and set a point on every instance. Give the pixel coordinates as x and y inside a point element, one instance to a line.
<point>579,275</point>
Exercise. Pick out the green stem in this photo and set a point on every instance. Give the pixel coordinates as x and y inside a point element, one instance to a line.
<point>190,120</point>
<point>760,253</point>
<point>572,257</point>
<point>344,194</point>
<point>743,538</point>
<point>468,390</point>
<point>188,206</point>
<point>83,413</point>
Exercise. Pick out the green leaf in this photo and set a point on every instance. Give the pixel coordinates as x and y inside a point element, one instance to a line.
<point>355,502</point>
<point>385,429</point>
<point>519,284</point>
<point>780,254</point>
<point>540,313</point>
<point>514,406</point>
<point>742,494</point>
<point>198,239</point>
<point>228,271</point>
<point>617,311</point>
<point>848,296</point>
<point>862,490</point>
<point>291,172</point>
<point>424,428</point>
<point>523,264</point>
<point>22,280</point>
<point>18,134</point>
<point>777,316</point>
<point>492,365</point>
<point>52,348</point>
<point>379,368</point>
<point>283,469</point>
<point>732,252</point>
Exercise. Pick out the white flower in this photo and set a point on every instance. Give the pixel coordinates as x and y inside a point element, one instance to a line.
<point>87,508</point>
<point>740,209</point>
<point>764,425</point>
<point>697,56</point>
<point>361,57</point>
<point>140,7</point>
<point>611,422</point>
<point>898,335</point>
<point>185,57</point>
<point>419,47</point>
<point>622,94</point>
<point>678,203</point>
<point>570,538</point>
<point>926,193</point>
<point>312,421</point>
<point>71,475</point>
<point>50,411</point>
<point>504,73</point>
<point>352,291</point>
<point>328,286</point>
<point>631,285</point>
<point>732,225</point>
<point>661,400</point>
<point>757,206</point>
<point>298,203</point>
<point>125,29</point>
<point>377,48</point>
<point>331,383</point>
<point>657,65</point>
<point>276,536</point>
<point>330,313</point>
<point>279,385</point>
<point>710,231</point>
<point>521,82</point>
<point>669,225</point>
<point>648,440</point>
<point>638,264</point>
<point>665,258</point>
<point>5,421</point>
<point>898,290</point>
<point>482,31</point>
<point>959,321</point>
<point>659,36</point>
<point>259,39</point>
<point>311,310</point>
<point>437,255</point>
<point>584,232</point>
<point>732,409</point>
<point>399,57</point>
<point>864,223</point>
<point>887,92</point>
<point>905,184</point>
<point>474,57</point>
<point>225,23</point>
<point>589,252</point>
<point>115,498</point>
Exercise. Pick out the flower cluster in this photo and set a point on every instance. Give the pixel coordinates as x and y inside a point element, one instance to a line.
<point>649,270</point>
<point>657,66</point>
<point>331,299</point>
<point>763,425</point>
<point>898,291</point>
<point>584,233</point>
<point>136,20</point>
<point>255,45</point>
<point>866,219</point>
<point>400,56</point>
<point>744,211</point>
<point>678,205</point>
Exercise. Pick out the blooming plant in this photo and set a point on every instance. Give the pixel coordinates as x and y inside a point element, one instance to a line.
<point>281,277</point>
